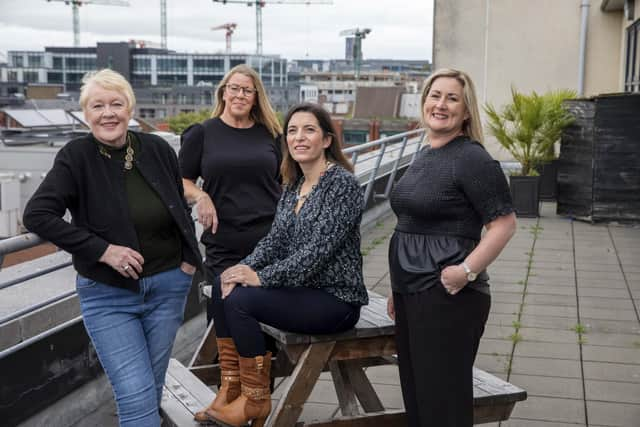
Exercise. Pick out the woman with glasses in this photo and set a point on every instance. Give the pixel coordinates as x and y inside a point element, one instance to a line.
<point>237,155</point>
<point>131,238</point>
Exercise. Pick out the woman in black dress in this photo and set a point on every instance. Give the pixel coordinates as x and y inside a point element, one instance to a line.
<point>237,155</point>
<point>437,257</point>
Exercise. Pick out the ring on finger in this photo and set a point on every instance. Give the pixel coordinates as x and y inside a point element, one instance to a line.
<point>126,267</point>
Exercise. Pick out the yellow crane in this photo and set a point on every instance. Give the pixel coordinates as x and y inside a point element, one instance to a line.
<point>260,4</point>
<point>75,5</point>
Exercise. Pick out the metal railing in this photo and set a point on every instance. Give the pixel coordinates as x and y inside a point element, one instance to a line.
<point>371,160</point>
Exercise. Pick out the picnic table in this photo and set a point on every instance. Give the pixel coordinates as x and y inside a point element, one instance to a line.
<point>302,358</point>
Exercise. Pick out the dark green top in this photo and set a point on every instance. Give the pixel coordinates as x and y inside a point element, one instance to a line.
<point>158,235</point>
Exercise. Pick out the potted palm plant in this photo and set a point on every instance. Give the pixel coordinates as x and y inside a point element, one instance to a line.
<point>528,127</point>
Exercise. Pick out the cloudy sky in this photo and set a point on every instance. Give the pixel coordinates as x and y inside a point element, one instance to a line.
<point>401,29</point>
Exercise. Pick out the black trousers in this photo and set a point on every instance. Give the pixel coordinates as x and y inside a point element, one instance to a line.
<point>300,310</point>
<point>437,338</point>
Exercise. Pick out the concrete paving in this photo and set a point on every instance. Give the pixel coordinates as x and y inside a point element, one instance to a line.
<point>564,325</point>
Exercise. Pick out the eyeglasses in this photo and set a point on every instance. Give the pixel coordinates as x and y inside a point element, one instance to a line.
<point>235,90</point>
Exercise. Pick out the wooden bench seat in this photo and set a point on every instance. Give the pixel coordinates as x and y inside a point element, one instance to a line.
<point>302,358</point>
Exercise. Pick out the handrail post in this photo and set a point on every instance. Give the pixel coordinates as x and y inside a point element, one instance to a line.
<point>374,171</point>
<point>392,177</point>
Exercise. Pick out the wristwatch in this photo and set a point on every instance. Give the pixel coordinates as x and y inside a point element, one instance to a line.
<point>471,276</point>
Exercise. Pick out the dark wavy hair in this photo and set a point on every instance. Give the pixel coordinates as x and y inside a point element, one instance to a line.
<point>290,169</point>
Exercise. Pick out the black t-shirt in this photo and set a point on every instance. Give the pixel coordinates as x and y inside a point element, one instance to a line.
<point>240,169</point>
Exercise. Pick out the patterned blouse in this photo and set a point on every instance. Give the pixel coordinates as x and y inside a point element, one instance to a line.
<point>319,247</point>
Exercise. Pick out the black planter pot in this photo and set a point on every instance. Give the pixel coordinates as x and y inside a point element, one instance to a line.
<point>548,180</point>
<point>525,195</point>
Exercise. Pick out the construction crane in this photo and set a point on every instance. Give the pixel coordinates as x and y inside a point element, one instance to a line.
<point>163,24</point>
<point>230,27</point>
<point>260,4</point>
<point>359,35</point>
<point>75,5</point>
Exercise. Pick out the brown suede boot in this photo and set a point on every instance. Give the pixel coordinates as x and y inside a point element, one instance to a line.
<point>254,402</point>
<point>229,378</point>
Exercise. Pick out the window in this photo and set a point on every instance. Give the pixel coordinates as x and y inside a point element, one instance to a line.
<point>172,64</point>
<point>79,63</point>
<point>53,77</point>
<point>235,62</point>
<point>632,59</point>
<point>138,80</point>
<point>172,79</point>
<point>18,61</point>
<point>30,76</point>
<point>57,62</point>
<point>141,64</point>
<point>12,76</point>
<point>208,65</point>
<point>35,61</point>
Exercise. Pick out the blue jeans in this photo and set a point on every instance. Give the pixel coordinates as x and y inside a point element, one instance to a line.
<point>133,335</point>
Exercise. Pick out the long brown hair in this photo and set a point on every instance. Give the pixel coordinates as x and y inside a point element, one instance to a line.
<point>471,127</point>
<point>290,169</point>
<point>262,112</point>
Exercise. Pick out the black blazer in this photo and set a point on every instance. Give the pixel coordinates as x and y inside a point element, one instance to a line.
<point>91,186</point>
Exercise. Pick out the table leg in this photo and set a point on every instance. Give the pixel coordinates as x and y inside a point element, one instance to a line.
<point>300,384</point>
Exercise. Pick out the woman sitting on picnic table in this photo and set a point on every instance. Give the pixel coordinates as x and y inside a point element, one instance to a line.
<point>305,276</point>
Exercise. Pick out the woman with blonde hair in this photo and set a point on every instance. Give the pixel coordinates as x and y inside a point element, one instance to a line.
<point>237,155</point>
<point>437,257</point>
<point>131,238</point>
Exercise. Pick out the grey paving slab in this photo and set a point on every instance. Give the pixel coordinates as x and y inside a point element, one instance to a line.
<point>546,273</point>
<point>549,310</point>
<point>570,388</point>
<point>553,281</point>
<point>601,292</point>
<point>606,371</point>
<point>599,325</point>
<point>553,409</point>
<point>608,313</point>
<point>390,395</point>
<point>505,297</point>
<point>546,367</point>
<point>387,374</point>
<point>548,335</point>
<point>612,340</point>
<point>549,350</point>
<point>551,290</point>
<point>551,300</point>
<point>504,308</point>
<point>550,322</point>
<point>593,353</point>
<point>496,364</point>
<point>610,391</point>
<point>495,347</point>
<point>498,331</point>
<point>501,319</point>
<point>603,275</point>
<point>615,268</point>
<point>606,303</point>
<point>323,392</point>
<point>613,414</point>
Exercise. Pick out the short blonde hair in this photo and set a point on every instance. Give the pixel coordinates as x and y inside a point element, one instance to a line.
<point>262,112</point>
<point>110,80</point>
<point>471,127</point>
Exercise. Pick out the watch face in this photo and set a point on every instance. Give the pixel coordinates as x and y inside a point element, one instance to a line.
<point>471,276</point>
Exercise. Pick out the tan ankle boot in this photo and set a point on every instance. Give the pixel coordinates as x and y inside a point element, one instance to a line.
<point>229,378</point>
<point>254,402</point>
